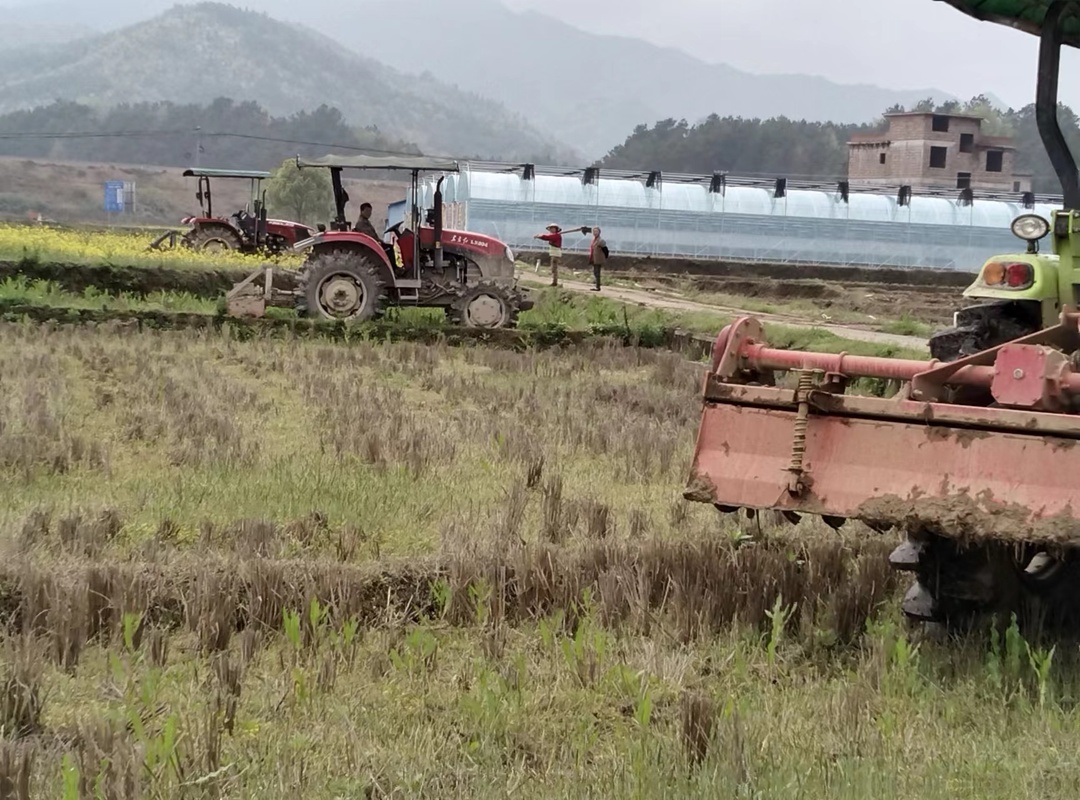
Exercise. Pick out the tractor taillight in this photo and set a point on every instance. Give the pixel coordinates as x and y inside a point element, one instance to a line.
<point>993,274</point>
<point>1008,274</point>
<point>1019,275</point>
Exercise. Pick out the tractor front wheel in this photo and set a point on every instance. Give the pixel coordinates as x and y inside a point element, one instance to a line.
<point>487,305</point>
<point>343,286</point>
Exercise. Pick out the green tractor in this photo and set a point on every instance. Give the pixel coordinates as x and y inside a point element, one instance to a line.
<point>1022,293</point>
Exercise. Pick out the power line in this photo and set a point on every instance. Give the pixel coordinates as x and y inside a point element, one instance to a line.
<point>76,135</point>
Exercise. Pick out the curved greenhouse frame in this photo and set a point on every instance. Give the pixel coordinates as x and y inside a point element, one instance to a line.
<point>686,216</point>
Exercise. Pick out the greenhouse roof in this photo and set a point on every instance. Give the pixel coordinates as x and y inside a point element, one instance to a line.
<point>566,189</point>
<point>720,180</point>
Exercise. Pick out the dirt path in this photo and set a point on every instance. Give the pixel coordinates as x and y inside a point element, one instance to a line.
<point>651,300</point>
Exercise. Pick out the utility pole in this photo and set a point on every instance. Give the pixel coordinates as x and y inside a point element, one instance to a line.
<point>198,144</point>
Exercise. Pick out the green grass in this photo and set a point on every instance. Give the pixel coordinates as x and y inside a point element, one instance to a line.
<point>804,308</point>
<point>574,311</point>
<point>556,310</point>
<point>48,293</point>
<point>906,326</point>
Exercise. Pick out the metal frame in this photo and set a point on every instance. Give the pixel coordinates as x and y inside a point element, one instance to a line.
<point>1046,99</point>
<point>1007,453</point>
<point>341,198</point>
<point>257,195</point>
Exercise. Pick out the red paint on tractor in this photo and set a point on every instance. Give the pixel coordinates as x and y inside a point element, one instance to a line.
<point>1002,465</point>
<point>744,452</point>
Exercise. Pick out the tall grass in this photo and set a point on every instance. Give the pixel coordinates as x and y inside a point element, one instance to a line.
<point>286,568</point>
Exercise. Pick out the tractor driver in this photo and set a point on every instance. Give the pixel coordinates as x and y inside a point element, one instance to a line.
<point>363,224</point>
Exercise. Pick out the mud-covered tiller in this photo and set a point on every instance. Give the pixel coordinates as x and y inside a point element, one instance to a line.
<point>976,461</point>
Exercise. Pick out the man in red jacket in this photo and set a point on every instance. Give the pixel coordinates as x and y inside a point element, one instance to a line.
<point>554,239</point>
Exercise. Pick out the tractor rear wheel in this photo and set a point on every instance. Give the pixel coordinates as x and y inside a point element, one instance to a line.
<point>214,239</point>
<point>343,286</point>
<point>486,305</point>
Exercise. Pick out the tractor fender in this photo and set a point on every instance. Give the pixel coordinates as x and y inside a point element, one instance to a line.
<point>209,223</point>
<point>491,267</point>
<point>1045,285</point>
<point>355,242</point>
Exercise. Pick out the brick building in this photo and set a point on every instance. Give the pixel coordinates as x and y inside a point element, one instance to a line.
<point>927,150</point>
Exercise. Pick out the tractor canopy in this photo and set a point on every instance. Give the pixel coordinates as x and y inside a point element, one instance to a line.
<point>1024,15</point>
<point>402,163</point>
<point>254,175</point>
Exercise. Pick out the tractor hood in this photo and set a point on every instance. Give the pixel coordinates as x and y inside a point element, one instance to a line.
<point>466,241</point>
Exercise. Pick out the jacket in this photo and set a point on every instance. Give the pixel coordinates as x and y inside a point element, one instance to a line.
<point>596,252</point>
<point>364,226</point>
<point>553,239</point>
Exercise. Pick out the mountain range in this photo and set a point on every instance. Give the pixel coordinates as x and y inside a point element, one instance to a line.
<point>493,81</point>
<point>196,53</point>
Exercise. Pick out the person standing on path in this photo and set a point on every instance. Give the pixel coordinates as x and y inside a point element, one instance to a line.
<point>554,239</point>
<point>598,256</point>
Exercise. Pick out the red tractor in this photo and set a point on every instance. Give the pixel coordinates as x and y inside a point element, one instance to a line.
<point>244,231</point>
<point>350,275</point>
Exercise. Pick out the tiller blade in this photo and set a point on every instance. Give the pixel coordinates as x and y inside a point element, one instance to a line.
<point>984,447</point>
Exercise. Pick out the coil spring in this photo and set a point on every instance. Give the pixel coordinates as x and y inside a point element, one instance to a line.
<point>802,422</point>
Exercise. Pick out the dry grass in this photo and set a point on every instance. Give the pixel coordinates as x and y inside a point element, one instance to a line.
<point>281,568</point>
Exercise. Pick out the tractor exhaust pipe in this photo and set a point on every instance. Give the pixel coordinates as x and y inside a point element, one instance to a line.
<point>437,257</point>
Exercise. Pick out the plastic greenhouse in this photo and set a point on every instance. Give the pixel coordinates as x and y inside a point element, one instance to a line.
<point>722,217</point>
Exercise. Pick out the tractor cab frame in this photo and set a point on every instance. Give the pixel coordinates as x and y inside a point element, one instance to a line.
<point>409,277</point>
<point>248,230</point>
<point>250,222</point>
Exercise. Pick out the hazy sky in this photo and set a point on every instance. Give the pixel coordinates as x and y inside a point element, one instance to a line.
<point>903,44</point>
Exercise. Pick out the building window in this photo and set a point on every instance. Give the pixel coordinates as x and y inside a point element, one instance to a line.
<point>967,142</point>
<point>940,124</point>
<point>937,157</point>
<point>994,160</point>
<point>1016,186</point>
<point>881,158</point>
<point>963,180</point>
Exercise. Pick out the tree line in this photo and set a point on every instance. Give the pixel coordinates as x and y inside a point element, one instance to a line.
<point>783,147</point>
<point>172,135</point>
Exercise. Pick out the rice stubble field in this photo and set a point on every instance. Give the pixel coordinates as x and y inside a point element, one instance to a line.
<point>290,568</point>
<point>277,565</point>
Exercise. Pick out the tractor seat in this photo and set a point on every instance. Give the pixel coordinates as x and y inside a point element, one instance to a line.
<point>246,222</point>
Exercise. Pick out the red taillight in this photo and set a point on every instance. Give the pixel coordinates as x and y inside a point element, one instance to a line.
<point>1019,275</point>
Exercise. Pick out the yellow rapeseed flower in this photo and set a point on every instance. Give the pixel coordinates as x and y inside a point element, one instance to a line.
<point>115,248</point>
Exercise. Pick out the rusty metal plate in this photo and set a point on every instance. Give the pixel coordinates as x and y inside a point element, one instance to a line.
<point>957,482</point>
<point>247,306</point>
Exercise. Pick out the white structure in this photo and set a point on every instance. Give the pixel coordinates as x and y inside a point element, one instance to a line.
<point>719,217</point>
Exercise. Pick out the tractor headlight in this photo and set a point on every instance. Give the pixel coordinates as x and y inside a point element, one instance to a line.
<point>1030,227</point>
<point>510,254</point>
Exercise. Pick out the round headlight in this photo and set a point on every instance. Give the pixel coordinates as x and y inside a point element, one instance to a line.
<point>1030,227</point>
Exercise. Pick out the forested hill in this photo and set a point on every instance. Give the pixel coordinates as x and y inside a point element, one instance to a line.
<point>194,53</point>
<point>164,134</point>
<point>795,149</point>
